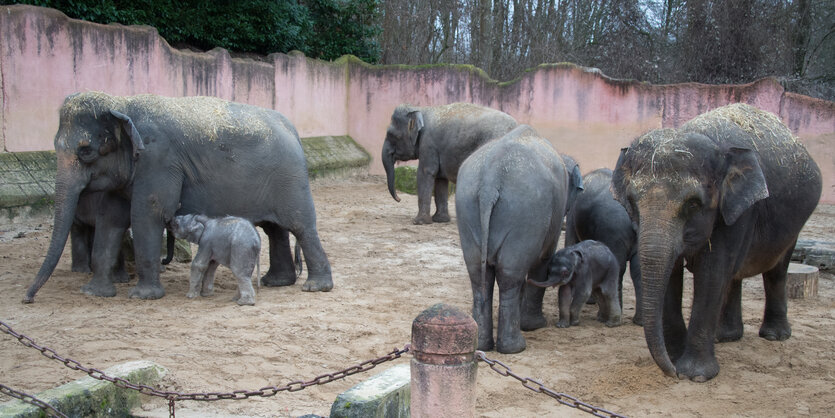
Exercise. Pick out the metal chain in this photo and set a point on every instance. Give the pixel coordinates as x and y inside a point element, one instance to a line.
<point>267,391</point>
<point>25,397</point>
<point>538,387</point>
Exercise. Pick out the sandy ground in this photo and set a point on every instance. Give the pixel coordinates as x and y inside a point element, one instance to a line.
<point>386,271</point>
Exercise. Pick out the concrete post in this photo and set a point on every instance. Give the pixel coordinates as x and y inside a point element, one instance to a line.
<point>443,366</point>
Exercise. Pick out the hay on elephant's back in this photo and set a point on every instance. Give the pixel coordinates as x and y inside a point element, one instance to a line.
<point>206,118</point>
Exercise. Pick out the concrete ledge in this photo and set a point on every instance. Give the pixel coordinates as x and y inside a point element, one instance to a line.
<point>820,254</point>
<point>334,156</point>
<point>88,397</point>
<point>27,185</point>
<point>385,395</point>
<point>27,179</point>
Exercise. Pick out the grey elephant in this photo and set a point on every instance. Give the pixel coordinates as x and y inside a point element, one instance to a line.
<point>441,138</point>
<point>725,195</point>
<point>199,154</point>
<point>510,201</point>
<point>596,215</point>
<point>580,270</point>
<point>228,241</point>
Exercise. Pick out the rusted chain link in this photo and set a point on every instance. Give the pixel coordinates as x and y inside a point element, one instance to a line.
<point>538,387</point>
<point>25,397</point>
<point>266,391</point>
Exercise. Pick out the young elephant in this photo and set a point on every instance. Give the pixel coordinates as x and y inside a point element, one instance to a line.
<point>586,267</point>
<point>230,241</point>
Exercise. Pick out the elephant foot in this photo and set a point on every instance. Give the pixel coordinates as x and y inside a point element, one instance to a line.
<point>777,331</point>
<point>531,322</point>
<point>511,345</point>
<point>121,277</point>
<point>276,279</point>
<point>104,290</point>
<point>246,300</point>
<point>486,344</point>
<point>191,294</point>
<point>724,335</point>
<point>318,283</point>
<point>81,268</point>
<point>563,323</point>
<point>422,220</point>
<point>697,369</point>
<point>440,217</point>
<point>141,291</point>
<point>613,322</point>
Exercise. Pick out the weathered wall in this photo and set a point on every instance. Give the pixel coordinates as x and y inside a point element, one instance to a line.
<point>45,56</point>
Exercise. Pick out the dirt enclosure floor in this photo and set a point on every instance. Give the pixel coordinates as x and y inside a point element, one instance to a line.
<point>386,271</point>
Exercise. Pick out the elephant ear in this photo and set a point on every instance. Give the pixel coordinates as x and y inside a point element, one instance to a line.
<point>619,179</point>
<point>744,184</point>
<point>130,128</point>
<point>415,126</point>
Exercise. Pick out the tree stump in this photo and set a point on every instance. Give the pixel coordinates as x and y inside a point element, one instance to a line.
<point>802,281</point>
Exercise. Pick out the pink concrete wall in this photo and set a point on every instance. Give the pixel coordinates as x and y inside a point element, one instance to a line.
<point>44,56</point>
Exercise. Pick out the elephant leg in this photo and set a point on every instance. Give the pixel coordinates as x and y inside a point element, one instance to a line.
<point>580,293</point>
<point>532,316</point>
<point>698,361</point>
<point>281,271</point>
<point>775,326</point>
<point>441,200</point>
<point>425,184</point>
<point>675,331</point>
<point>81,244</point>
<point>509,339</point>
<point>120,273</point>
<point>483,303</point>
<point>147,240</point>
<point>208,287</point>
<point>565,297</point>
<point>730,323</point>
<point>635,273</point>
<point>319,278</point>
<point>610,310</point>
<point>106,250</point>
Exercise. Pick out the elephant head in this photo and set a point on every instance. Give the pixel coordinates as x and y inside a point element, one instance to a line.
<point>402,141</point>
<point>561,268</point>
<point>676,186</point>
<point>96,147</point>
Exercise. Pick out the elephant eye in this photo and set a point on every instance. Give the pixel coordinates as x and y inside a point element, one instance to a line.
<point>86,153</point>
<point>692,206</point>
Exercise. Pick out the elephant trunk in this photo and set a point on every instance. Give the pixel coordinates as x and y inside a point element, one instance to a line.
<point>68,188</point>
<point>388,164</point>
<point>657,257</point>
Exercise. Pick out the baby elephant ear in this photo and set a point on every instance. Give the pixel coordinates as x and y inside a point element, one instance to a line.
<point>744,184</point>
<point>130,128</point>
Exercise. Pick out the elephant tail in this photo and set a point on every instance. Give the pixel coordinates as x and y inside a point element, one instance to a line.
<point>487,198</point>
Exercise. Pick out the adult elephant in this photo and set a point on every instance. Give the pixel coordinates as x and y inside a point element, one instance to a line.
<point>441,138</point>
<point>199,154</point>
<point>510,203</point>
<point>726,195</point>
<point>596,215</point>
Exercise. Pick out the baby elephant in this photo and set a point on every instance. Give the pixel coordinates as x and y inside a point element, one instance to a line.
<point>586,267</point>
<point>230,241</point>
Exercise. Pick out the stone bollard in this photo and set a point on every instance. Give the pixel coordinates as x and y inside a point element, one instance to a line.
<point>443,366</point>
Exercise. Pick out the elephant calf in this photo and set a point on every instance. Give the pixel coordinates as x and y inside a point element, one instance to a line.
<point>230,241</point>
<point>586,267</point>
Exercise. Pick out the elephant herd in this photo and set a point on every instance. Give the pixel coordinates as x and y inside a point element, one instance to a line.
<point>724,196</point>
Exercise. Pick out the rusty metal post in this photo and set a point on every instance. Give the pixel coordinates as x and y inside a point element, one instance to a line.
<point>443,365</point>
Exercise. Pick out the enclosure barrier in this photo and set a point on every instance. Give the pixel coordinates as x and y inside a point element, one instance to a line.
<point>443,371</point>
